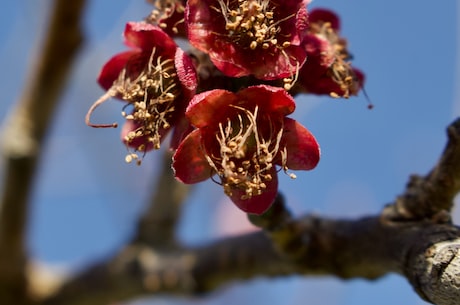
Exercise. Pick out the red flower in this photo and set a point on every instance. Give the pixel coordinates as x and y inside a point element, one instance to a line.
<point>249,37</point>
<point>241,137</point>
<point>327,70</point>
<point>156,79</point>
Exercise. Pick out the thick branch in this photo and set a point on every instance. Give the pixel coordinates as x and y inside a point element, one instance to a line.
<point>364,248</point>
<point>23,136</point>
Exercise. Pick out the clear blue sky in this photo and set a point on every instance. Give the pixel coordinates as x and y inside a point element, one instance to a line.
<point>408,50</point>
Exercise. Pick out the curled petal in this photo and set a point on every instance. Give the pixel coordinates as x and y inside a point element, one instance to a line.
<point>321,55</point>
<point>303,150</point>
<point>185,72</point>
<point>146,36</point>
<point>301,25</point>
<point>189,161</point>
<point>204,108</point>
<point>112,69</point>
<point>273,100</point>
<point>213,106</point>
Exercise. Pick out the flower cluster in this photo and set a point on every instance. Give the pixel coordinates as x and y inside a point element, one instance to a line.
<point>227,99</point>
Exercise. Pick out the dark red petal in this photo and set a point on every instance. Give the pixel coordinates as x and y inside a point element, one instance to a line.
<point>293,28</point>
<point>189,162</point>
<point>320,53</point>
<point>111,70</point>
<point>272,100</point>
<point>301,25</point>
<point>203,24</point>
<point>324,15</point>
<point>185,72</point>
<point>213,106</point>
<point>266,65</point>
<point>146,36</point>
<point>181,129</point>
<point>231,63</point>
<point>209,107</point>
<point>303,151</point>
<point>276,65</point>
<point>257,204</point>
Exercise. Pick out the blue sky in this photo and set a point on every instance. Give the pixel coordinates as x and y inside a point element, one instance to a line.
<point>408,51</point>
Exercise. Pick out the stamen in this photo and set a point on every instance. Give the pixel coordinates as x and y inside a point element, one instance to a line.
<point>245,156</point>
<point>165,9</point>
<point>289,82</point>
<point>109,94</point>
<point>151,96</point>
<point>251,23</point>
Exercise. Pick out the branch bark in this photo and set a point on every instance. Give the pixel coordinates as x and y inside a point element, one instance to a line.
<point>364,248</point>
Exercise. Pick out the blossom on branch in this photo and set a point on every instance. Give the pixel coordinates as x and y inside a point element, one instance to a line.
<point>241,137</point>
<point>156,79</point>
<point>327,69</point>
<point>250,37</point>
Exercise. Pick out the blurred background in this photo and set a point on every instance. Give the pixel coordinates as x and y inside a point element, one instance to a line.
<point>87,199</point>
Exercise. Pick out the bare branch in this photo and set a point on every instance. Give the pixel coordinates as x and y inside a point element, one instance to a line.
<point>364,248</point>
<point>22,139</point>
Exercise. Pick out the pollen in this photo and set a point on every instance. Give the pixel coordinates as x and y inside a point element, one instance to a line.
<point>252,23</point>
<point>245,157</point>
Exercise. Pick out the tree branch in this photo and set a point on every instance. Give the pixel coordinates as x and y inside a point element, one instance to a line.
<point>364,248</point>
<point>22,140</point>
<point>432,196</point>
